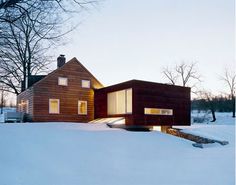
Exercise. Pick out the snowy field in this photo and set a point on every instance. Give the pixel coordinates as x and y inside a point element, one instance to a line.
<point>6,109</point>
<point>93,154</point>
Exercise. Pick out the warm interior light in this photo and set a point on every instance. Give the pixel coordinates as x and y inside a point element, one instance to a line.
<point>54,106</point>
<point>119,102</point>
<point>156,128</point>
<point>158,111</point>
<point>82,107</point>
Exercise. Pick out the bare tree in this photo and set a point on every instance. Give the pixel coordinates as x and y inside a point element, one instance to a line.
<point>170,75</point>
<point>17,8</point>
<point>229,79</point>
<point>187,73</point>
<point>2,99</point>
<point>28,29</point>
<point>22,49</point>
<point>209,102</point>
<point>183,74</point>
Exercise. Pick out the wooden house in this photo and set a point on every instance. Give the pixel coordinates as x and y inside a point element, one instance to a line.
<point>66,94</point>
<point>72,93</point>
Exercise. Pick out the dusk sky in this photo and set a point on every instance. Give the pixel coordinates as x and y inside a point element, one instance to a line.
<point>123,40</point>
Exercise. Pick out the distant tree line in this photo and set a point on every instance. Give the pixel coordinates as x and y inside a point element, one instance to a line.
<point>187,75</point>
<point>213,104</point>
<point>220,104</point>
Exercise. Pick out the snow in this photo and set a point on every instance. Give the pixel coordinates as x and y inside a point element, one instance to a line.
<point>6,109</point>
<point>222,118</point>
<point>1,118</point>
<point>76,153</point>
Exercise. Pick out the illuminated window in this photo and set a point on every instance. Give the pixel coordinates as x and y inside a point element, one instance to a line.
<point>85,83</point>
<point>82,107</point>
<point>27,106</point>
<point>54,105</point>
<point>23,106</point>
<point>120,102</point>
<point>62,81</point>
<point>158,111</point>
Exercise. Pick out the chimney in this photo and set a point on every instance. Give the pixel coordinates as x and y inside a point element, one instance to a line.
<point>61,60</point>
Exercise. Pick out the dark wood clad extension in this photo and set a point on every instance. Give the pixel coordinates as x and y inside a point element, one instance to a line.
<point>149,95</point>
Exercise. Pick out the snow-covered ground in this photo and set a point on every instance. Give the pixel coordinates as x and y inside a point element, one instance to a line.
<point>222,118</point>
<point>6,109</point>
<point>93,154</point>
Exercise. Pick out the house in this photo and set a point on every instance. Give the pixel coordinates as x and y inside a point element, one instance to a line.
<point>66,94</point>
<point>72,93</point>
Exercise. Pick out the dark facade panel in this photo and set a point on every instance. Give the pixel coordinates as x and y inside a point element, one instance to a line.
<point>149,95</point>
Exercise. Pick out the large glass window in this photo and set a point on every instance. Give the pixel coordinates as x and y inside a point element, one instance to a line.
<point>82,107</point>
<point>54,105</point>
<point>158,111</point>
<point>119,102</point>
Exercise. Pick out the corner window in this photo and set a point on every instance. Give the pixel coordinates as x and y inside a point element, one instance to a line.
<point>82,107</point>
<point>158,111</point>
<point>54,105</point>
<point>85,83</point>
<point>119,102</point>
<point>62,81</point>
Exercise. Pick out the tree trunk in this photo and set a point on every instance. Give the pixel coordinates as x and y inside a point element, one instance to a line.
<point>2,101</point>
<point>213,115</point>
<point>233,104</point>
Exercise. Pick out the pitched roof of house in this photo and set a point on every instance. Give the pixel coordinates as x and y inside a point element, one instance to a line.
<point>67,63</point>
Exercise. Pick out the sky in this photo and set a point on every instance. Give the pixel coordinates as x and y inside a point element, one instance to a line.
<point>121,40</point>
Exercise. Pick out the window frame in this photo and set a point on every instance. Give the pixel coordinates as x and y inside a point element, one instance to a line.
<point>160,110</point>
<point>62,78</point>
<point>86,103</point>
<point>125,103</point>
<point>27,106</point>
<point>86,87</point>
<point>58,107</point>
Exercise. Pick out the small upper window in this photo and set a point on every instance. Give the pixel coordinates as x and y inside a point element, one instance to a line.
<point>62,81</point>
<point>85,83</point>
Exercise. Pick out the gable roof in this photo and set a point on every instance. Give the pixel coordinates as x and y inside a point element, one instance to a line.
<point>61,68</point>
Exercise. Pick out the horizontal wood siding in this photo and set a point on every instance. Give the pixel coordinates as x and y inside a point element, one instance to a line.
<point>24,96</point>
<point>69,96</point>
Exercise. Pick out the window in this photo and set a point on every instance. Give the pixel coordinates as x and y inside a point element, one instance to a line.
<point>27,106</point>
<point>82,107</point>
<point>23,106</point>
<point>120,102</point>
<point>85,83</point>
<point>158,111</point>
<point>62,81</point>
<point>54,105</point>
